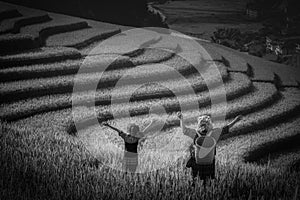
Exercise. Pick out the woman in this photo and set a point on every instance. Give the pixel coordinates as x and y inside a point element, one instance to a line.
<point>132,140</point>
<point>204,128</point>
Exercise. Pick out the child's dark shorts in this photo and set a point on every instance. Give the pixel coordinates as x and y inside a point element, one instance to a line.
<point>130,161</point>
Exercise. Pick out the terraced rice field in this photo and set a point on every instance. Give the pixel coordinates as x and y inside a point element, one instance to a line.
<point>44,156</point>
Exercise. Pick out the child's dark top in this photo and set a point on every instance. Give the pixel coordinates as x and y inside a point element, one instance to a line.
<point>131,142</point>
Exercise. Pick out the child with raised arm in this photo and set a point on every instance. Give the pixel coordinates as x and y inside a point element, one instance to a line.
<point>204,129</point>
<point>132,138</point>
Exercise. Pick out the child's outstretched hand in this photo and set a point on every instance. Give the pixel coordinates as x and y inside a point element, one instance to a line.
<point>142,141</point>
<point>238,118</point>
<point>179,115</point>
<point>104,124</point>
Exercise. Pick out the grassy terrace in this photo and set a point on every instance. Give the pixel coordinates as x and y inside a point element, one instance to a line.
<point>263,69</point>
<point>55,61</point>
<point>66,67</point>
<point>146,96</point>
<point>35,35</point>
<point>80,38</point>
<point>261,144</point>
<point>64,84</point>
<point>56,25</point>
<point>231,60</point>
<point>237,105</point>
<point>62,118</point>
<point>269,153</point>
<point>14,25</point>
<point>39,55</point>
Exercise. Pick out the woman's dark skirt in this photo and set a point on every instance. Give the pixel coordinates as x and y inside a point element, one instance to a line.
<point>202,171</point>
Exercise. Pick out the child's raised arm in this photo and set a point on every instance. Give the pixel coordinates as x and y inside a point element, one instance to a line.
<point>121,133</point>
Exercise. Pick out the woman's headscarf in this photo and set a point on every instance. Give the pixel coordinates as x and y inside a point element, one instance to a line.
<point>204,124</point>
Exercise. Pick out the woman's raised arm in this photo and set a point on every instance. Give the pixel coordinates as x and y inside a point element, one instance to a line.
<point>238,118</point>
<point>185,130</point>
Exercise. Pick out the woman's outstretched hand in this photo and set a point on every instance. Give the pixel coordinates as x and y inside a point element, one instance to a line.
<point>238,118</point>
<point>179,115</point>
<point>142,141</point>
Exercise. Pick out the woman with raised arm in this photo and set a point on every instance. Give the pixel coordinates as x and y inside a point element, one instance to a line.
<point>204,129</point>
<point>132,139</point>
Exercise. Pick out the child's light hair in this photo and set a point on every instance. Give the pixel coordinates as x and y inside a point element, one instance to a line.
<point>133,128</point>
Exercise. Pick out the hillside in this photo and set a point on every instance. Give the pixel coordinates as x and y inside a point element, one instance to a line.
<point>60,76</point>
